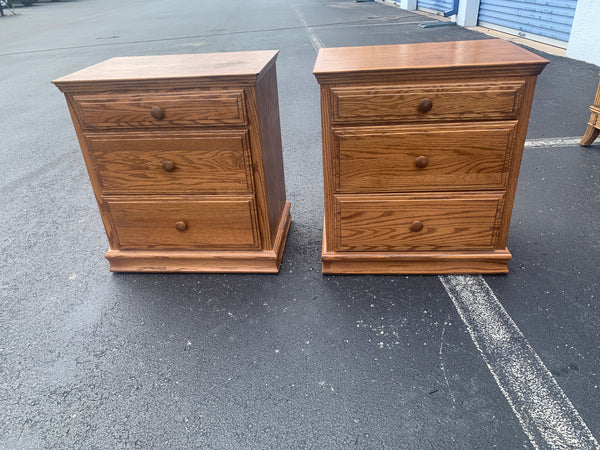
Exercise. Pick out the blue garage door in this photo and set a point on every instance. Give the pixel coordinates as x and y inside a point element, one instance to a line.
<point>541,20</point>
<point>435,5</point>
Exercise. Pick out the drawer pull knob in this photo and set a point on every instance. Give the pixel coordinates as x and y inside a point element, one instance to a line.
<point>181,226</point>
<point>168,166</point>
<point>157,112</point>
<point>425,105</point>
<point>416,226</point>
<point>421,162</point>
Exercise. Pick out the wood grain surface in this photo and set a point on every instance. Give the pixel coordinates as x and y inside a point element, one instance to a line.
<point>271,153</point>
<point>451,101</point>
<point>185,108</point>
<point>370,223</point>
<point>181,67</point>
<point>215,223</point>
<point>462,156</point>
<point>184,155</point>
<point>236,261</point>
<point>431,58</point>
<point>210,162</point>
<point>422,145</point>
<point>417,263</point>
<point>593,127</point>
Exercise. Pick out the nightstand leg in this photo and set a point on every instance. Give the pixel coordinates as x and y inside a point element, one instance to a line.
<point>593,127</point>
<point>591,133</point>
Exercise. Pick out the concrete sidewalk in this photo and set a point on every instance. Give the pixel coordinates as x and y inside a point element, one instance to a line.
<point>90,359</point>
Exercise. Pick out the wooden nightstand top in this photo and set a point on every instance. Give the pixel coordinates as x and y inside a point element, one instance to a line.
<point>245,66</point>
<point>435,57</point>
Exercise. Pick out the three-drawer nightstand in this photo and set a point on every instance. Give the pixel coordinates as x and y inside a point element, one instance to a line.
<point>184,156</point>
<point>422,147</point>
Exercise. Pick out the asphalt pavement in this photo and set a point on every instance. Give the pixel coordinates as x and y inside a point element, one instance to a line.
<point>93,359</point>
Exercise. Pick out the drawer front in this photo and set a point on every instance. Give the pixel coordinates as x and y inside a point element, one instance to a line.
<point>172,163</point>
<point>225,223</point>
<point>142,110</point>
<point>449,157</point>
<point>413,223</point>
<point>452,101</point>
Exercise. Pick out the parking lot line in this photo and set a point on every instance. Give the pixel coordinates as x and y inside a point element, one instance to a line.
<point>314,39</point>
<point>547,416</point>
<point>552,142</point>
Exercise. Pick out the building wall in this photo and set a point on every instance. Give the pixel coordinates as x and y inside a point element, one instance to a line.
<point>584,42</point>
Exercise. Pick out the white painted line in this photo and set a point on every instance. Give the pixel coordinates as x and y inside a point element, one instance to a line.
<point>542,408</point>
<point>552,142</point>
<point>443,367</point>
<point>314,39</point>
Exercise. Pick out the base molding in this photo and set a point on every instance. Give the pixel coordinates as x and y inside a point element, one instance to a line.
<point>423,263</point>
<point>202,261</point>
<point>413,262</point>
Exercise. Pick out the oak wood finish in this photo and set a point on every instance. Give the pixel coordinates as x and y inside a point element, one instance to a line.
<point>185,223</point>
<point>184,155</point>
<point>209,261</point>
<point>422,145</point>
<point>441,61</point>
<point>183,109</point>
<point>371,223</point>
<point>450,101</point>
<point>593,127</point>
<point>419,158</point>
<point>172,162</point>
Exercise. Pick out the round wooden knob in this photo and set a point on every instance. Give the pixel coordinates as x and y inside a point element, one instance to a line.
<point>157,112</point>
<point>181,226</point>
<point>416,226</point>
<point>168,166</point>
<point>421,162</point>
<point>425,105</point>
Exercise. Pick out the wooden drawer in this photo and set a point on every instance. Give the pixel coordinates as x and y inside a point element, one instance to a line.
<point>422,158</point>
<point>155,109</point>
<point>418,222</point>
<point>425,102</point>
<point>172,162</point>
<point>184,223</point>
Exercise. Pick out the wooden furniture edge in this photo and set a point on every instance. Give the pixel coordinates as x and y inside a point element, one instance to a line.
<point>593,126</point>
<point>265,132</point>
<point>426,74</point>
<point>489,262</point>
<point>525,62</point>
<point>399,263</point>
<point>202,261</point>
<point>65,84</point>
<point>407,268</point>
<point>282,232</point>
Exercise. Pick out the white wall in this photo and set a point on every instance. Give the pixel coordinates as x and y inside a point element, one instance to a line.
<point>584,42</point>
<point>409,5</point>
<point>467,13</point>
